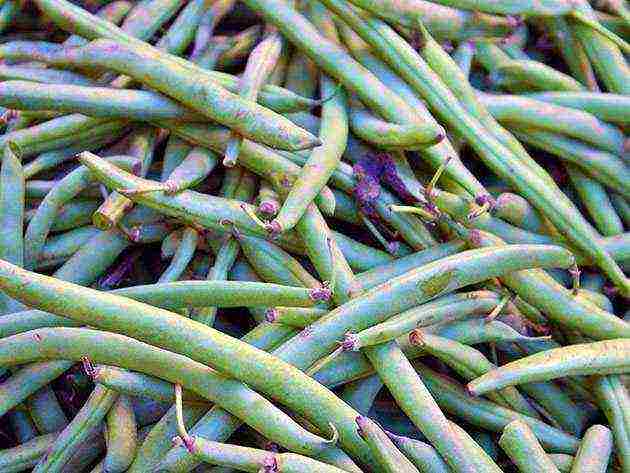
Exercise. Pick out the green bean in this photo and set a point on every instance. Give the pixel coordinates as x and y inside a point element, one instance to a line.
<point>207,23</point>
<point>524,111</point>
<point>562,461</point>
<point>138,384</point>
<point>43,76</point>
<point>572,52</point>
<point>436,155</point>
<point>115,13</point>
<point>274,264</point>
<point>622,206</point>
<point>444,309</point>
<point>238,184</point>
<point>189,206</point>
<point>387,270</point>
<point>121,435</point>
<point>469,364</point>
<point>606,58</point>
<point>387,455</point>
<point>346,208</point>
<point>594,452</point>
<point>535,75</point>
<point>160,11</point>
<point>521,445</point>
<point>75,213</point>
<point>261,370</point>
<point>482,461</point>
<point>297,317</point>
<point>175,152</point>
<point>182,31</point>
<point>514,7</point>
<point>557,405</point>
<point>46,412</point>
<point>199,378</point>
<point>280,172</point>
<point>159,438</point>
<point>597,202</point>
<point>54,158</point>
<point>268,200</point>
<point>543,197</point>
<point>485,414</point>
<point>360,394</point>
<point>423,455</point>
<point>26,455</point>
<point>87,419</point>
<point>12,195</point>
<point>321,163</point>
<point>348,366</point>
<point>559,305</point>
<point>613,399</point>
<point>170,77</point>
<point>415,400</point>
<point>401,293</point>
<point>260,64</point>
<point>182,256</point>
<point>605,357</point>
<point>142,143</point>
<point>253,460</point>
<point>98,102</point>
<point>217,424</point>
<point>26,380</point>
<point>56,133</point>
<point>388,135</point>
<point>517,211</point>
<point>609,107</point>
<point>174,296</point>
<point>67,188</point>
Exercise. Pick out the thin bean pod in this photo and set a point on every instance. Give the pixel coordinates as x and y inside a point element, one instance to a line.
<point>521,445</point>
<point>605,357</point>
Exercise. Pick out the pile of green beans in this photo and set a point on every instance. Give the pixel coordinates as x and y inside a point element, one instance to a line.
<point>380,236</point>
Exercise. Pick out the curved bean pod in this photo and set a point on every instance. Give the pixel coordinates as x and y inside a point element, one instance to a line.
<point>605,357</point>
<point>387,455</point>
<point>229,393</point>
<point>271,375</point>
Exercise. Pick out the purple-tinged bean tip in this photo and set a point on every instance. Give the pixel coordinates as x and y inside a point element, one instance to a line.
<point>322,293</point>
<point>273,228</point>
<point>268,208</point>
<point>361,424</point>
<point>470,391</point>
<point>270,464</point>
<point>415,337</point>
<point>271,315</point>
<point>350,342</point>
